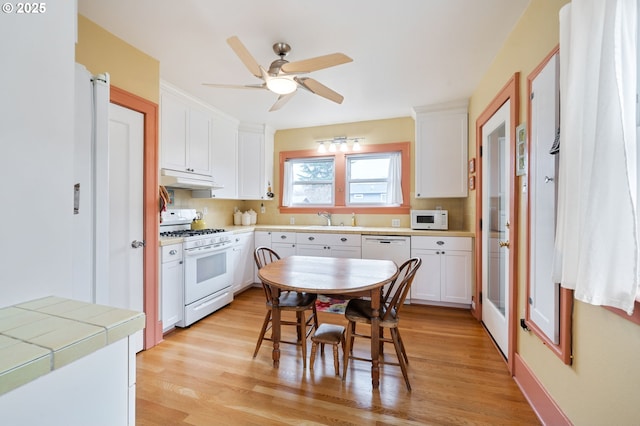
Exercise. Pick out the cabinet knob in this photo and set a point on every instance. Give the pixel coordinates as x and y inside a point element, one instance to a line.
<point>312,238</point>
<point>440,243</point>
<point>343,239</point>
<point>284,237</point>
<point>173,252</point>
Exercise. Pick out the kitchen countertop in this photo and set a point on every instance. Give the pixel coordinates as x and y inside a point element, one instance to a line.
<point>368,230</point>
<point>43,335</point>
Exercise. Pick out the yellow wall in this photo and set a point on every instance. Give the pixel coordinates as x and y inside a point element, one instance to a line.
<point>601,385</point>
<point>129,68</point>
<point>374,132</point>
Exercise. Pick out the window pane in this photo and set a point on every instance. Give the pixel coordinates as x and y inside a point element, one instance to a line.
<point>310,194</point>
<point>312,181</point>
<point>368,193</point>
<point>373,168</point>
<point>368,179</point>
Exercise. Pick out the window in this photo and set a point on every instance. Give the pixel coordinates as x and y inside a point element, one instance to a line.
<point>374,180</point>
<point>311,181</point>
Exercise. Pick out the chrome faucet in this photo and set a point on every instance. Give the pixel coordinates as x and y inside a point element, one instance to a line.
<point>327,216</point>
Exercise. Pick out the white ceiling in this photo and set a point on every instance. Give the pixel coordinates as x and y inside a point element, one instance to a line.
<point>405,53</point>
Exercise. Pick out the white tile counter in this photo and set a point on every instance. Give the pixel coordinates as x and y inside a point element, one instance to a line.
<point>44,335</point>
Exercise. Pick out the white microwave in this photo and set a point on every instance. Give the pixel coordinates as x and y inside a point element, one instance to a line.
<point>430,219</point>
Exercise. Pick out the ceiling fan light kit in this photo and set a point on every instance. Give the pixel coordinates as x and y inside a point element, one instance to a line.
<point>282,85</point>
<point>283,78</point>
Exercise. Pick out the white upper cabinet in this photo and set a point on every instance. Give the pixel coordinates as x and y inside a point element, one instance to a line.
<point>225,157</point>
<point>255,161</point>
<point>185,133</point>
<point>441,150</point>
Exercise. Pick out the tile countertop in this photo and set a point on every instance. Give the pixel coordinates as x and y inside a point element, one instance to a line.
<point>42,335</point>
<point>334,230</point>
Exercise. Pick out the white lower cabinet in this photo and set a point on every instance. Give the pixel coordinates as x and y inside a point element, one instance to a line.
<point>283,243</point>
<point>242,261</point>
<point>445,276</point>
<point>329,245</point>
<point>172,285</point>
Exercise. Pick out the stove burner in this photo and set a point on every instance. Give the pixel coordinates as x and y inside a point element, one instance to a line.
<point>190,232</point>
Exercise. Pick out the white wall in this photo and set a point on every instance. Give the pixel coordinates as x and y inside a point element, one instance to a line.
<point>36,152</point>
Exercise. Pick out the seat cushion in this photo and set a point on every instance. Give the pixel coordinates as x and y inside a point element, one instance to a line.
<point>328,333</point>
<point>292,299</point>
<point>359,310</point>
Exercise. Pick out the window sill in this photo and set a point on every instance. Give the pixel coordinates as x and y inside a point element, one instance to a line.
<point>346,210</point>
<point>635,318</point>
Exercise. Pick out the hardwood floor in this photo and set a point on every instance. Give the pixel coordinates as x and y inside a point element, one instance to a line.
<point>205,375</point>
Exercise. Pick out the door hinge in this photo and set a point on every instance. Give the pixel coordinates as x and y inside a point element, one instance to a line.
<point>480,150</point>
<point>480,297</point>
<point>531,96</point>
<point>481,224</point>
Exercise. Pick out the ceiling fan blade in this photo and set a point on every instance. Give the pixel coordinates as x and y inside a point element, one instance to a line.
<point>318,63</point>
<point>282,99</point>
<point>244,55</point>
<point>236,86</point>
<point>320,89</point>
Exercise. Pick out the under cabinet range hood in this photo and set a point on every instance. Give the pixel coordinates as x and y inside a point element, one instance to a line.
<point>174,179</point>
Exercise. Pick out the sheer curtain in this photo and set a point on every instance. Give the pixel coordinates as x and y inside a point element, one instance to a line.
<point>286,184</point>
<point>394,184</point>
<point>596,250</point>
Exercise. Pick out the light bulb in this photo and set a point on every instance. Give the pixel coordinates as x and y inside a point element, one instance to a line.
<point>356,145</point>
<point>343,147</point>
<point>332,147</point>
<point>321,148</point>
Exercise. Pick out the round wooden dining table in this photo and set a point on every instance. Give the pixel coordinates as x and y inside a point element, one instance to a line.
<point>330,275</point>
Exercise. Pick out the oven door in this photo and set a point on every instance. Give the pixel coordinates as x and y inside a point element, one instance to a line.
<point>207,270</point>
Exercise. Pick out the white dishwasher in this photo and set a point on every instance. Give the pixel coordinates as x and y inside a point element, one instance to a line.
<point>387,247</point>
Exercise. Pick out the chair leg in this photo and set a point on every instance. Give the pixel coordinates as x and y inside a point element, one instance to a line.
<point>403,365</point>
<point>315,317</point>
<point>346,349</point>
<point>302,329</point>
<point>404,352</point>
<point>314,348</point>
<point>267,318</point>
<point>336,361</point>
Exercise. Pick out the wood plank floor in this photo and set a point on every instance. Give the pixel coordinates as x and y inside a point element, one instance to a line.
<point>205,375</point>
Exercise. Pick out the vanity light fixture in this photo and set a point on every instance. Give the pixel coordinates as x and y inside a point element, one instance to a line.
<point>340,143</point>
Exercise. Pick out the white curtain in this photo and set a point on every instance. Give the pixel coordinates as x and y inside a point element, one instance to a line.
<point>394,184</point>
<point>286,184</point>
<point>596,250</point>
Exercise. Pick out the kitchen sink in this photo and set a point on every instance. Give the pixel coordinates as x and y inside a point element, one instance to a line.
<point>334,228</point>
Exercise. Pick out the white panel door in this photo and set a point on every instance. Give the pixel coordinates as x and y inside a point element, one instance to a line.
<point>495,213</point>
<point>126,146</point>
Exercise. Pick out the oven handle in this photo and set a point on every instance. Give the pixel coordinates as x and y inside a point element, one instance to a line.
<point>201,251</point>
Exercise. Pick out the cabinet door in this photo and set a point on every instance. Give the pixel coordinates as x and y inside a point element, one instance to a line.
<point>246,260</point>
<point>441,153</point>
<point>312,250</point>
<point>173,132</point>
<point>172,303</point>
<point>199,142</point>
<point>284,249</point>
<point>346,252</point>
<point>225,157</point>
<point>456,277</point>
<point>250,165</point>
<point>426,284</point>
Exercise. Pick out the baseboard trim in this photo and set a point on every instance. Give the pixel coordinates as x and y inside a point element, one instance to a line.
<point>543,405</point>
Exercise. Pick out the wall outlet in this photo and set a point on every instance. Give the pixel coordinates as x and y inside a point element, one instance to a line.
<point>395,223</point>
<point>292,220</point>
<point>205,211</point>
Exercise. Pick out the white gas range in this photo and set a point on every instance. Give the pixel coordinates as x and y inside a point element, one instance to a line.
<point>207,264</point>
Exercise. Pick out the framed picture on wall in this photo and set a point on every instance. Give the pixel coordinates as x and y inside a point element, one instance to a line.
<point>521,149</point>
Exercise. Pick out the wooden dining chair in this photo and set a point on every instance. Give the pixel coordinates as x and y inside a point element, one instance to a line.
<point>287,301</point>
<point>359,311</point>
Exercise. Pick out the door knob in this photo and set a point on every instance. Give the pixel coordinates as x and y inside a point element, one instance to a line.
<point>503,243</point>
<point>137,244</point>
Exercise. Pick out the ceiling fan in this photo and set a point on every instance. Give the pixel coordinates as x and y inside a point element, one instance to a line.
<point>284,77</point>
